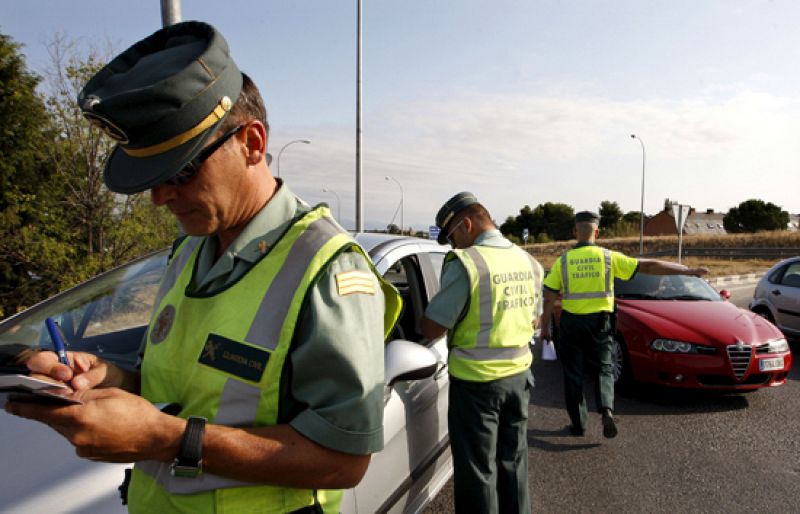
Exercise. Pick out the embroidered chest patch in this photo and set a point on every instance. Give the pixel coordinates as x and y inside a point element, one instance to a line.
<point>235,358</point>
<point>162,325</point>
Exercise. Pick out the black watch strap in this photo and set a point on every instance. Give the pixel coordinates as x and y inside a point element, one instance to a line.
<point>189,462</point>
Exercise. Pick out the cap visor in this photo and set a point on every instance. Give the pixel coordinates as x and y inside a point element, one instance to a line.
<point>442,237</point>
<point>129,175</point>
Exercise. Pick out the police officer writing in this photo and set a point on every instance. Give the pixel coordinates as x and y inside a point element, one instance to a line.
<point>488,302</point>
<point>584,277</point>
<point>269,324</point>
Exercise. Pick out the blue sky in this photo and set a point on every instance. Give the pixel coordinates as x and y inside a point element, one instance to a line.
<point>521,102</point>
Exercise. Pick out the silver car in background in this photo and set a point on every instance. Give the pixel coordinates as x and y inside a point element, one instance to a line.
<point>777,297</point>
<point>108,314</point>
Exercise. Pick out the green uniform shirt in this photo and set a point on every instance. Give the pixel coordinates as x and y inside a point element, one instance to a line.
<point>334,341</point>
<point>450,303</point>
<point>622,266</point>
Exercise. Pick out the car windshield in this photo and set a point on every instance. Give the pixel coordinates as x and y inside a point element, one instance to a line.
<point>665,287</point>
<point>107,315</point>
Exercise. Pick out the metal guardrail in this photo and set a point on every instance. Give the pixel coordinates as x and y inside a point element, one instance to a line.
<point>729,253</point>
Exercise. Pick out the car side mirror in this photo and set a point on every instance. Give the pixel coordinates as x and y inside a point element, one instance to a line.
<point>725,294</point>
<point>404,360</point>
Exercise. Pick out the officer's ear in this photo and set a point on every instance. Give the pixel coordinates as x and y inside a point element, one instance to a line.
<point>467,221</point>
<point>255,146</point>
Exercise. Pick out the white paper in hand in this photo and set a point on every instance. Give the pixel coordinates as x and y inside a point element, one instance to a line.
<point>548,350</point>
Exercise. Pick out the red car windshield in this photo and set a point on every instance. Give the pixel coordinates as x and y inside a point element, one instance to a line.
<point>665,287</point>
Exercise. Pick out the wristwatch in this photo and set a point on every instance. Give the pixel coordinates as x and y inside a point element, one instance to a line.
<point>189,462</point>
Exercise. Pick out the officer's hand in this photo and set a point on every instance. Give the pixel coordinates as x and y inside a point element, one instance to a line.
<point>86,370</point>
<point>111,425</point>
<point>698,272</point>
<point>544,332</point>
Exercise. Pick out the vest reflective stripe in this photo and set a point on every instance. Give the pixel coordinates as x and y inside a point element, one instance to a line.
<point>266,329</point>
<point>282,280</point>
<point>182,255</point>
<point>566,294</point>
<point>488,354</point>
<point>485,298</point>
<point>491,341</point>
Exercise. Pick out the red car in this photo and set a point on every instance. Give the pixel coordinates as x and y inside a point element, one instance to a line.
<point>679,331</point>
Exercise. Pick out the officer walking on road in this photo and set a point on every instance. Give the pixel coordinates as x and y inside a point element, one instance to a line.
<point>268,327</point>
<point>584,276</point>
<point>487,304</point>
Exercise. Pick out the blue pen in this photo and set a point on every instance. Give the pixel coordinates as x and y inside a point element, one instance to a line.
<point>58,340</point>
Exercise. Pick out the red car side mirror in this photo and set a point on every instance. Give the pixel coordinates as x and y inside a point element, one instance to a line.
<point>725,294</point>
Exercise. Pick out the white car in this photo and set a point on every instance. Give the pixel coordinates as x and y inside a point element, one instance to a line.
<point>108,314</point>
<point>777,297</point>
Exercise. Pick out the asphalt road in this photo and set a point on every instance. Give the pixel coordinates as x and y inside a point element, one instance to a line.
<point>676,451</point>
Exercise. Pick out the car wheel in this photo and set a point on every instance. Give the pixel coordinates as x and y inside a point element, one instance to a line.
<point>619,357</point>
<point>765,313</point>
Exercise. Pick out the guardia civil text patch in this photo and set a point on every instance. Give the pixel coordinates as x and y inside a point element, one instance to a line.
<point>238,359</point>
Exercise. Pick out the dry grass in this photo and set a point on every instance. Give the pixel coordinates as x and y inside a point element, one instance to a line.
<point>546,253</point>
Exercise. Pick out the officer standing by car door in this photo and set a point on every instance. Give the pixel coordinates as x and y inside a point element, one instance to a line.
<point>584,276</point>
<point>488,304</point>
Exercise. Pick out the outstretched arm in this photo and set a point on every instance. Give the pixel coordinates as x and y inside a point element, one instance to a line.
<point>659,267</point>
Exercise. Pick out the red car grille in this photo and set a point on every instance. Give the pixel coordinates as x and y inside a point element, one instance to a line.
<point>740,356</point>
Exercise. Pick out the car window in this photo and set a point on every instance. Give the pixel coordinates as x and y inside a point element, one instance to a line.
<point>791,277</point>
<point>664,287</point>
<point>107,315</point>
<point>406,276</point>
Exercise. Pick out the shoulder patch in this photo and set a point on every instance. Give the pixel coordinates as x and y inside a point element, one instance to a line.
<point>356,281</point>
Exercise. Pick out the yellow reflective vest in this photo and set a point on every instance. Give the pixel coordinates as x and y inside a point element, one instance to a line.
<point>585,276</point>
<point>492,340</point>
<point>222,355</point>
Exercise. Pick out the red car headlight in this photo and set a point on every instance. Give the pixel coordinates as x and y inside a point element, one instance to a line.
<point>778,346</point>
<point>672,346</point>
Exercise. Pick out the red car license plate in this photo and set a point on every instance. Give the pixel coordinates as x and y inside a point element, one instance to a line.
<point>770,364</point>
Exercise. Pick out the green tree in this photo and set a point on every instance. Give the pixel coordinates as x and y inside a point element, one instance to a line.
<point>67,226</point>
<point>514,225</point>
<point>548,221</point>
<point>754,216</point>
<point>23,173</point>
<point>556,220</point>
<point>610,214</point>
<point>632,217</point>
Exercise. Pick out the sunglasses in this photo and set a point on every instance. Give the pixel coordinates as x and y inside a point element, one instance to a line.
<point>192,167</point>
<point>450,234</point>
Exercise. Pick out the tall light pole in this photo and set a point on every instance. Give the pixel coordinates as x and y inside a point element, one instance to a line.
<point>278,160</point>
<point>401,200</point>
<point>641,210</point>
<point>359,134</point>
<point>338,203</point>
<point>170,12</point>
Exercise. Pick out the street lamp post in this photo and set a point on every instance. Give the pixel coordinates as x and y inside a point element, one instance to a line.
<point>338,203</point>
<point>401,200</point>
<point>278,160</point>
<point>170,12</point>
<point>641,210</point>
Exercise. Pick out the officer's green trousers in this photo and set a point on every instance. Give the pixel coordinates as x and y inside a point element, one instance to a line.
<point>488,424</point>
<point>585,352</point>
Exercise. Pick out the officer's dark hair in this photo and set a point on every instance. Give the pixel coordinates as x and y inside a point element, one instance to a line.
<point>249,106</point>
<point>477,213</point>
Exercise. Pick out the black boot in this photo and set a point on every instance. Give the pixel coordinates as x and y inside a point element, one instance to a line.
<point>609,427</point>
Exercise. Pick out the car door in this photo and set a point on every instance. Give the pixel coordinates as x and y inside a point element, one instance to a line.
<point>108,316</point>
<point>784,294</point>
<point>415,462</point>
